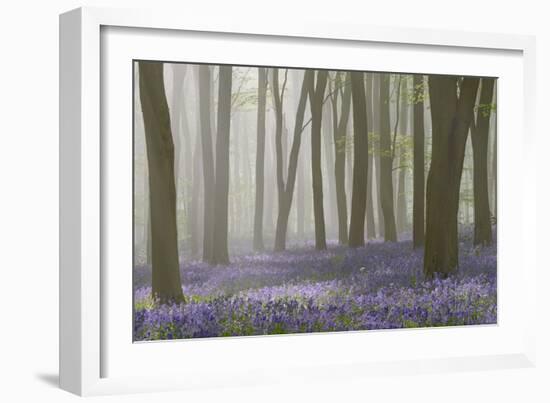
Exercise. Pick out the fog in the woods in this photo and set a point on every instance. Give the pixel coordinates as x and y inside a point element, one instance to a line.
<point>265,195</point>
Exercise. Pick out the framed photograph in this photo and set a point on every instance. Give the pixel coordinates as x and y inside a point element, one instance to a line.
<point>237,198</point>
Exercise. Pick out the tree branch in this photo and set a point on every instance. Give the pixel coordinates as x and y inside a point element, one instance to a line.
<point>396,120</point>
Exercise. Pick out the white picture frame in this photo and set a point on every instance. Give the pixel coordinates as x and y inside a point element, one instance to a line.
<point>87,311</point>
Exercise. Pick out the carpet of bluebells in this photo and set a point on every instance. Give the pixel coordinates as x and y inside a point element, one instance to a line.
<point>380,286</point>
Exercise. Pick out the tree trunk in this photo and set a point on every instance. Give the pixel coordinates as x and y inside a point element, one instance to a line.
<point>166,281</point>
<point>480,141</point>
<point>376,125</point>
<point>300,203</point>
<point>418,163</point>
<point>177,114</point>
<point>360,161</point>
<point>247,172</point>
<point>401,221</point>
<point>306,176</point>
<point>207,163</point>
<point>451,116</point>
<point>466,186</point>
<point>270,184</point>
<point>195,195</point>
<point>237,183</point>
<point>386,180</point>
<point>328,136</point>
<point>147,231</point>
<point>494,162</point>
<point>278,97</point>
<point>288,190</point>
<point>183,150</point>
<point>195,198</point>
<point>349,161</point>
<point>316,95</point>
<point>213,101</point>
<point>340,125</point>
<point>221,193</point>
<point>187,155</point>
<point>401,191</point>
<point>376,186</point>
<point>260,161</point>
<point>371,226</point>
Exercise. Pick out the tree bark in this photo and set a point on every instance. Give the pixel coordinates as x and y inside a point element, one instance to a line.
<point>316,95</point>
<point>401,191</point>
<point>237,183</point>
<point>340,130</point>
<point>386,181</point>
<point>495,168</point>
<point>451,117</point>
<point>371,225</point>
<point>278,97</point>
<point>397,81</point>
<point>288,189</point>
<point>418,163</point>
<point>376,112</point>
<point>195,198</point>
<point>360,161</point>
<point>330,198</point>
<point>258,242</point>
<point>300,203</point>
<point>480,140</point>
<point>183,150</point>
<point>270,184</point>
<point>195,211</point>
<point>177,114</point>
<point>208,163</point>
<point>148,243</point>
<point>166,281</point>
<point>221,193</point>
<point>247,172</point>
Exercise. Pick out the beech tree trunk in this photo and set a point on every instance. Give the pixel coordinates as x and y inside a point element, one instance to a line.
<point>343,88</point>
<point>207,163</point>
<point>376,125</point>
<point>183,150</point>
<point>237,184</point>
<point>221,193</point>
<point>371,225</point>
<point>195,213</point>
<point>148,243</point>
<point>270,192</point>
<point>494,164</point>
<point>316,95</point>
<point>166,281</point>
<point>247,171</point>
<point>177,106</point>
<point>386,180</point>
<point>288,190</point>
<point>401,209</point>
<point>480,140</point>
<point>360,161</point>
<point>328,136</point>
<point>195,198</point>
<point>300,203</point>
<point>418,162</point>
<point>278,97</point>
<point>260,161</point>
<point>349,161</point>
<point>401,220</point>
<point>451,117</point>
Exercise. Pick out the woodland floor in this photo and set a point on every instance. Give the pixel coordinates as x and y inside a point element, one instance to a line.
<point>379,286</point>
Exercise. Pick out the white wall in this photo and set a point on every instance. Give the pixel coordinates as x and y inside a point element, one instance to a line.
<point>29,209</point>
